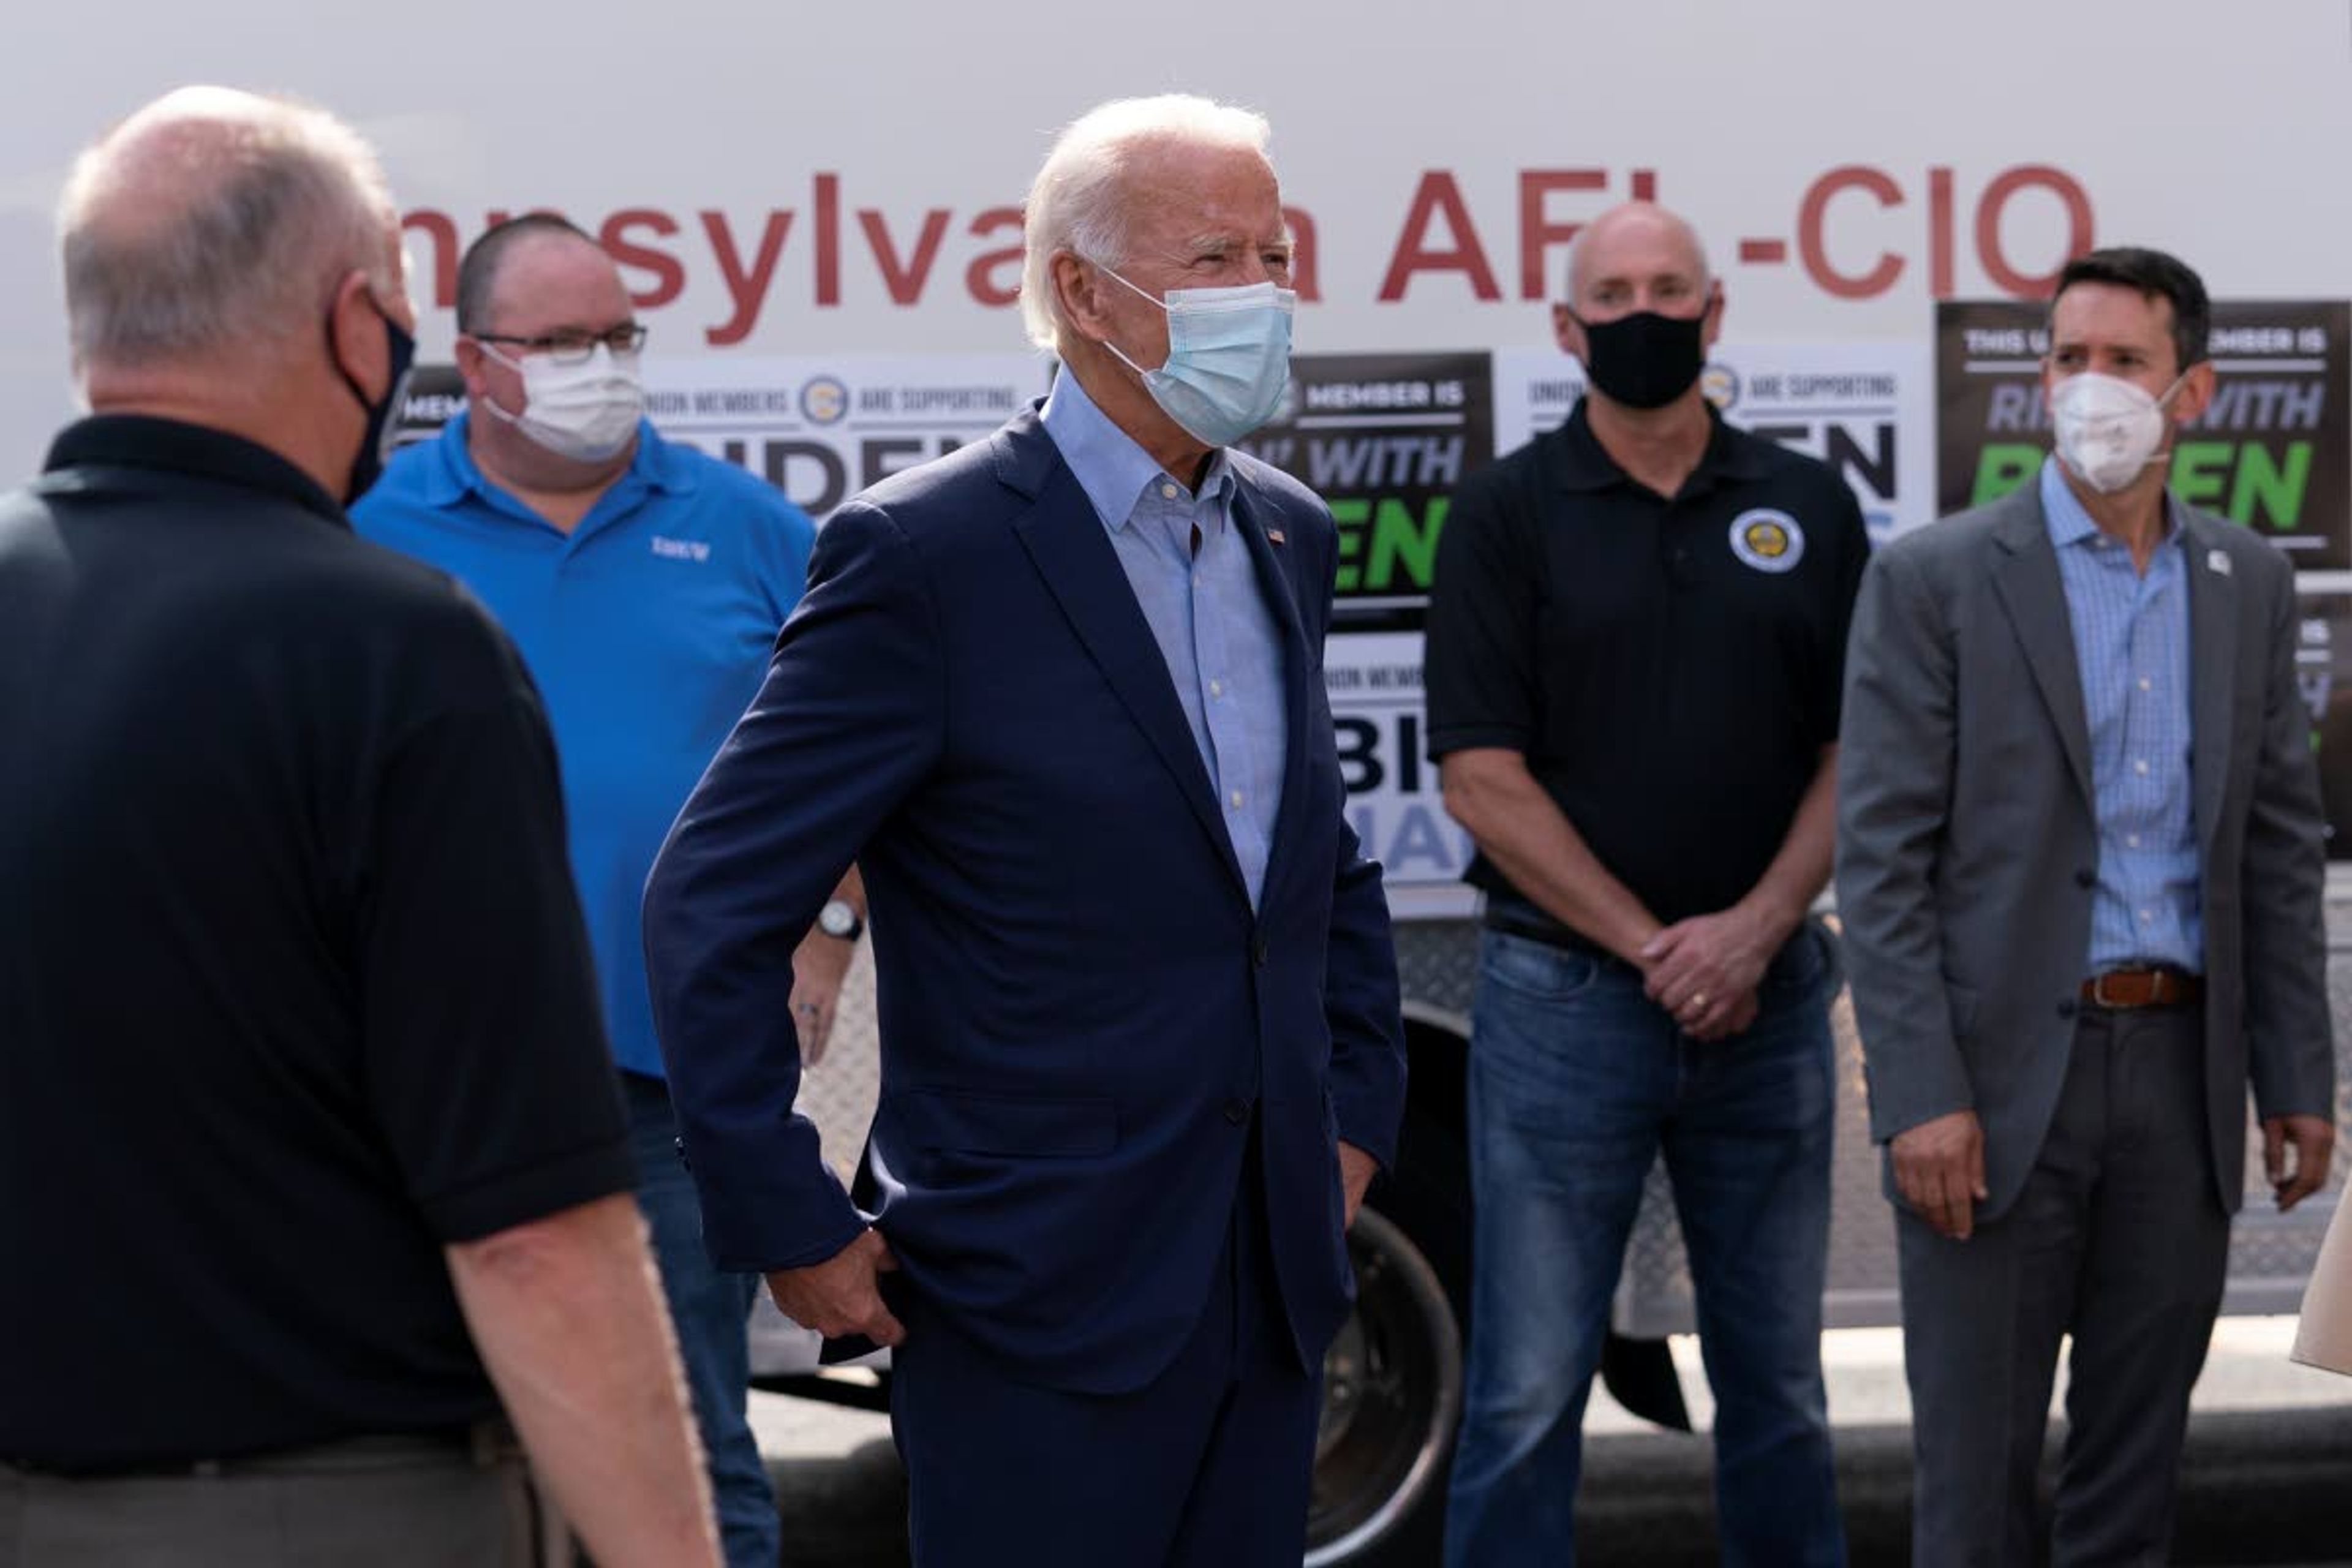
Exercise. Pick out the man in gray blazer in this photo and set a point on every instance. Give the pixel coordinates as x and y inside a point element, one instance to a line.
<point>2079,871</point>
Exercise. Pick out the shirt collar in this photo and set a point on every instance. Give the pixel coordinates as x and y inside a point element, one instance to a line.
<point>2069,520</point>
<point>1108,465</point>
<point>1581,463</point>
<point>452,472</point>
<point>147,441</point>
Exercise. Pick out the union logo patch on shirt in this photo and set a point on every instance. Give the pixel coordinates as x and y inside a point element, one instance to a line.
<point>1768,540</point>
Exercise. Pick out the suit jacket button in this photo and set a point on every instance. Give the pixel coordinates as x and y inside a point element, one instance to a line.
<point>1258,952</point>
<point>2086,878</point>
<point>2067,1008</point>
<point>1238,1111</point>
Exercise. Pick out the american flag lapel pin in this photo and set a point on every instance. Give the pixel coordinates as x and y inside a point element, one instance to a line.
<point>1273,536</point>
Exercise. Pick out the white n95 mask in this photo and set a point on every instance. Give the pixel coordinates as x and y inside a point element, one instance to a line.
<point>586,412</point>
<point>1228,358</point>
<point>2106,429</point>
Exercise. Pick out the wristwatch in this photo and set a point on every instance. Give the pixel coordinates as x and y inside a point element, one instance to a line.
<point>838,920</point>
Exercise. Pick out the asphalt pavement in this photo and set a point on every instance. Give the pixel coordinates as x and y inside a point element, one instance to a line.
<point>2267,1478</point>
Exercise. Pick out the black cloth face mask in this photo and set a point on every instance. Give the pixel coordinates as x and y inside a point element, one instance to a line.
<point>367,464</point>
<point>1644,359</point>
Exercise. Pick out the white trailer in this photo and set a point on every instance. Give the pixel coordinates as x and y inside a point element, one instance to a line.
<point>817,211</point>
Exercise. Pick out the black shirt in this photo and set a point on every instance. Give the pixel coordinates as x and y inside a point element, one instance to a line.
<point>293,989</point>
<point>1669,669</point>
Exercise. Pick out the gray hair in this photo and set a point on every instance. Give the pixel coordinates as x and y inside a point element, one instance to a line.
<point>1077,203</point>
<point>213,219</point>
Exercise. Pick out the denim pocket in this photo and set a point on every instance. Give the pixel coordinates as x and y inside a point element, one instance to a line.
<point>1801,961</point>
<point>1535,968</point>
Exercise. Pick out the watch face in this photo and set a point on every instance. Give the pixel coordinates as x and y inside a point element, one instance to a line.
<point>837,918</point>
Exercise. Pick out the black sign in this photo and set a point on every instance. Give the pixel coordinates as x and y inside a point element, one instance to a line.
<point>1384,439</point>
<point>2271,452</point>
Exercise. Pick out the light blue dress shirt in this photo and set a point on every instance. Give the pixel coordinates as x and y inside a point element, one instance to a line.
<point>2131,644</point>
<point>1207,610</point>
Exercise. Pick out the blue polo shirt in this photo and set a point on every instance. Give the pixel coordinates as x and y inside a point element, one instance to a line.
<point>647,628</point>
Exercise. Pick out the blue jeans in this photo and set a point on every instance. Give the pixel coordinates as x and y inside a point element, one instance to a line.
<point>1577,1082</point>
<point>710,1310</point>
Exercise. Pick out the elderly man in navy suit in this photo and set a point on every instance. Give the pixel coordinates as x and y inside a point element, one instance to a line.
<point>1060,695</point>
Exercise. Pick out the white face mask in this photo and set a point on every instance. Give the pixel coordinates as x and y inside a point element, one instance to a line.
<point>2107,430</point>
<point>1228,358</point>
<point>586,412</point>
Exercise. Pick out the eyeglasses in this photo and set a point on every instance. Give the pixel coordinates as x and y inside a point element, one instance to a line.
<point>572,348</point>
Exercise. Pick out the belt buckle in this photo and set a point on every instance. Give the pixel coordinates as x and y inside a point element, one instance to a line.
<point>2099,992</point>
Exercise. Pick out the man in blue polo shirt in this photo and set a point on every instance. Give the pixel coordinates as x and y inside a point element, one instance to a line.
<point>645,583</point>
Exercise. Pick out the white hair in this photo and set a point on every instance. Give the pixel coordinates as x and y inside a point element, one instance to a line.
<point>1078,201</point>
<point>214,219</point>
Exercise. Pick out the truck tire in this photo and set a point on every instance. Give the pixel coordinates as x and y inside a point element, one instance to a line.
<point>1393,1378</point>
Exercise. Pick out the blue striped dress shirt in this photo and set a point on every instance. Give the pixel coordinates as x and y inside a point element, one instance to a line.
<point>2131,644</point>
<point>1206,610</point>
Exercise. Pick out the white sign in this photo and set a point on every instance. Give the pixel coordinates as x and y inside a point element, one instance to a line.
<point>1867,409</point>
<point>823,428</point>
<point>1374,680</point>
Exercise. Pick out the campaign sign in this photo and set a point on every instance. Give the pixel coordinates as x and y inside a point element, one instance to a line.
<point>819,429</point>
<point>1377,724</point>
<point>2323,674</point>
<point>823,429</point>
<point>1861,407</point>
<point>2273,451</point>
<point>1384,439</point>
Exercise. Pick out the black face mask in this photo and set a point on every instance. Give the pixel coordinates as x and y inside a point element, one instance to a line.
<point>1643,360</point>
<point>400,352</point>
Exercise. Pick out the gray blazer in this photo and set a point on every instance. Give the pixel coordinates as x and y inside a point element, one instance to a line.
<point>1968,849</point>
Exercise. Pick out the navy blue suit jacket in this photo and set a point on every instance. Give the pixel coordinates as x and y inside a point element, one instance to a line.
<point>1081,1018</point>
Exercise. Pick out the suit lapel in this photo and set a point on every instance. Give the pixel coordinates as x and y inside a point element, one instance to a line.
<point>1298,661</point>
<point>1066,543</point>
<point>2212,668</point>
<point>2026,580</point>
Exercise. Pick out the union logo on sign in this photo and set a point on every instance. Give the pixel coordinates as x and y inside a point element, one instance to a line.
<point>1719,383</point>
<point>824,400</point>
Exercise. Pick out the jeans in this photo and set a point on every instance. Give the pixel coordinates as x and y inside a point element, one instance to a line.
<point>1577,1083</point>
<point>710,1310</point>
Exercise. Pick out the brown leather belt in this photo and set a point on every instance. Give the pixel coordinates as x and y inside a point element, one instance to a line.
<point>2127,990</point>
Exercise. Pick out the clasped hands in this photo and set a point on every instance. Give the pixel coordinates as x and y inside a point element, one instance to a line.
<point>1705,971</point>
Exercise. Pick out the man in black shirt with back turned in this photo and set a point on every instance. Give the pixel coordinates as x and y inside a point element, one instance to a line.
<point>305,1118</point>
<point>1634,647</point>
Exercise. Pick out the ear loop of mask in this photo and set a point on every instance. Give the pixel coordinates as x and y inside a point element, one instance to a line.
<point>1113,348</point>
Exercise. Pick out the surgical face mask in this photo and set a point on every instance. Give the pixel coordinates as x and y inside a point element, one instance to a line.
<point>2106,429</point>
<point>1643,360</point>
<point>586,412</point>
<point>1228,358</point>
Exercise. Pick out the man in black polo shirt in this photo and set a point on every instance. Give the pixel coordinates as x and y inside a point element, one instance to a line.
<point>302,1091</point>
<point>1635,648</point>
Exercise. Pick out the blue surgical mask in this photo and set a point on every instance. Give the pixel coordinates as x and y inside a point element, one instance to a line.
<point>1228,358</point>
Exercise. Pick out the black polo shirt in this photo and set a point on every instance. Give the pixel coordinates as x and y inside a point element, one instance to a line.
<point>293,989</point>
<point>1669,667</point>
